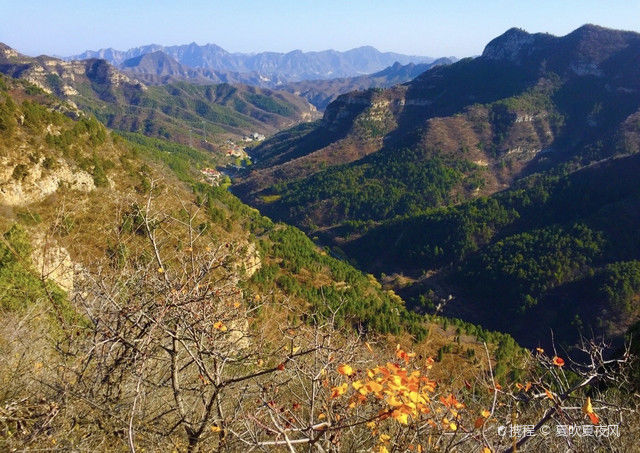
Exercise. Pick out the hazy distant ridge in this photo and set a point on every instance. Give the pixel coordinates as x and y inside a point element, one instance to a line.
<point>322,92</point>
<point>294,65</point>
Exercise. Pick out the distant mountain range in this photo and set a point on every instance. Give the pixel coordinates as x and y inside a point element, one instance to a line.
<point>159,68</point>
<point>271,66</point>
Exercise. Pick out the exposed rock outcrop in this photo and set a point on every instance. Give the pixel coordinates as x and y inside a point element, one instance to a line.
<point>252,260</point>
<point>53,262</point>
<point>22,184</point>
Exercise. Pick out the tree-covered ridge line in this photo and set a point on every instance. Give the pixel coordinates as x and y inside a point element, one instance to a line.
<point>515,117</point>
<point>478,150</point>
<point>380,186</point>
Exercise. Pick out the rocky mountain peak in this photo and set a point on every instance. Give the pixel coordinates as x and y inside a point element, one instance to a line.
<point>589,44</point>
<point>509,45</point>
<point>591,30</point>
<point>595,44</point>
<point>158,62</point>
<point>7,52</point>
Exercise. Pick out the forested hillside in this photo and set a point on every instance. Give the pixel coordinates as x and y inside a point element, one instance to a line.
<point>506,181</point>
<point>562,249</point>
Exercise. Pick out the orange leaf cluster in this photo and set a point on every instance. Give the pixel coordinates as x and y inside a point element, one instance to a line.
<point>405,394</point>
<point>525,387</point>
<point>451,402</point>
<point>339,390</point>
<point>403,355</point>
<point>549,394</point>
<point>219,325</point>
<point>484,415</point>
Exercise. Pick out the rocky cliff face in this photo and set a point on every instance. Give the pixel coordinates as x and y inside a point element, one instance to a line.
<point>26,183</point>
<point>373,112</point>
<point>250,261</point>
<point>99,71</point>
<point>60,77</point>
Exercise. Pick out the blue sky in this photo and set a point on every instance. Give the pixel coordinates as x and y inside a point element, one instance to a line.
<point>419,27</point>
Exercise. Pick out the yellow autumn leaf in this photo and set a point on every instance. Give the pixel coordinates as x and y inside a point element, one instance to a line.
<point>339,390</point>
<point>400,417</point>
<point>374,386</point>
<point>345,370</point>
<point>415,397</point>
<point>215,429</point>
